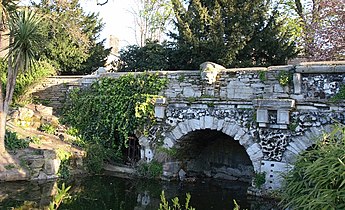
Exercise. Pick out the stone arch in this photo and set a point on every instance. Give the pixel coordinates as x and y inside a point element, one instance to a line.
<point>229,128</point>
<point>299,144</point>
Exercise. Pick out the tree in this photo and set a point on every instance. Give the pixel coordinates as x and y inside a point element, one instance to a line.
<point>269,46</point>
<point>217,30</point>
<point>71,41</point>
<point>319,26</point>
<point>24,36</point>
<point>6,7</point>
<point>151,57</point>
<point>151,18</point>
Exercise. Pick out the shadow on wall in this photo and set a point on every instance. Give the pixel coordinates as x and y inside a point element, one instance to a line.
<point>53,91</point>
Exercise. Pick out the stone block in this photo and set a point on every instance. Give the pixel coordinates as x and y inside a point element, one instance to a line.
<point>253,149</point>
<point>240,132</point>
<point>208,122</point>
<point>195,124</point>
<point>235,130</point>
<point>274,103</point>
<point>171,169</point>
<point>277,88</point>
<point>220,125</point>
<point>262,115</point>
<point>148,155</point>
<point>214,124</point>
<point>274,173</point>
<point>188,92</point>
<point>297,83</point>
<point>246,140</point>
<point>168,143</point>
<point>143,141</point>
<point>51,166</point>
<point>159,112</point>
<point>177,133</point>
<point>202,122</point>
<point>283,116</point>
<point>183,127</point>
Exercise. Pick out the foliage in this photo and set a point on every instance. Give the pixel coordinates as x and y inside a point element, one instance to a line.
<point>71,37</point>
<point>318,27</point>
<point>62,193</point>
<point>9,166</point>
<point>112,109</point>
<point>47,128</point>
<point>224,31</point>
<point>259,179</point>
<point>164,205</point>
<point>151,170</point>
<point>262,76</point>
<point>237,207</point>
<point>317,180</point>
<point>24,37</point>
<point>151,18</point>
<point>340,95</point>
<point>284,78</point>
<point>25,81</point>
<point>152,57</point>
<point>12,142</point>
<point>96,154</point>
<point>64,156</point>
<point>267,46</point>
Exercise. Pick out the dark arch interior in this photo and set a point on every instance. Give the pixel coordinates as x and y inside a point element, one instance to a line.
<point>210,153</point>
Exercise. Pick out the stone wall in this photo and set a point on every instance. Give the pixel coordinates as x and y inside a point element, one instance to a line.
<point>53,90</point>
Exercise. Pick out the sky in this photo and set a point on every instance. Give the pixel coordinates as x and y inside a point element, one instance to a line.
<point>117,18</point>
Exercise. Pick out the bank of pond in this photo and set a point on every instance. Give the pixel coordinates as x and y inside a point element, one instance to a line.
<point>111,192</point>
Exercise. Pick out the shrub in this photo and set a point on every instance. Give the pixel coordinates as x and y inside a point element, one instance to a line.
<point>12,142</point>
<point>112,109</point>
<point>318,178</point>
<point>259,179</point>
<point>150,170</point>
<point>47,128</point>
<point>25,81</point>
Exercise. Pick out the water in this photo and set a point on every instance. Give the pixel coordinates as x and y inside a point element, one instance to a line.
<point>109,192</point>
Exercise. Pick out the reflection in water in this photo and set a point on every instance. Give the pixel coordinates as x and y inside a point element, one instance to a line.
<point>108,192</point>
<point>26,194</point>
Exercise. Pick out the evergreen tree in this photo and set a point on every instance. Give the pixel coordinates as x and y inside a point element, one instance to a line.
<point>218,30</point>
<point>71,38</point>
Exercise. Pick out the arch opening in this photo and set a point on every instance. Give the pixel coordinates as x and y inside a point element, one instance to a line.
<point>211,153</point>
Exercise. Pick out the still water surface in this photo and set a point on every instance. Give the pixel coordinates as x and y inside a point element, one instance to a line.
<point>109,192</point>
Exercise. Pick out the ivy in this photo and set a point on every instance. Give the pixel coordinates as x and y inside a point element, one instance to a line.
<point>111,109</point>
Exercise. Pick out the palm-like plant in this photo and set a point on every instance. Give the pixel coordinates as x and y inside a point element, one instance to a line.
<point>7,7</point>
<point>24,37</point>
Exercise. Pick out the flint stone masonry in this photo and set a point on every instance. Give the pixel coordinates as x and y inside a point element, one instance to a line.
<point>272,122</point>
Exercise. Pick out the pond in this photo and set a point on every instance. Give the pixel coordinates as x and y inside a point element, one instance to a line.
<point>114,193</point>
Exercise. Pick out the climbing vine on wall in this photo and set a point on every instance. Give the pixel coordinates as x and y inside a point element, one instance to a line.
<point>111,109</point>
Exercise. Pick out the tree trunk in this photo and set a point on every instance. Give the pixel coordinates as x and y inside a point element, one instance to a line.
<point>3,116</point>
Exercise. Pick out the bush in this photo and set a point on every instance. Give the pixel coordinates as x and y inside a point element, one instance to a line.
<point>150,170</point>
<point>47,128</point>
<point>318,178</point>
<point>112,109</point>
<point>25,81</point>
<point>12,142</point>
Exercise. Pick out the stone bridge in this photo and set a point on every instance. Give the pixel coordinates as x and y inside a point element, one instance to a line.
<point>232,123</point>
<point>272,114</point>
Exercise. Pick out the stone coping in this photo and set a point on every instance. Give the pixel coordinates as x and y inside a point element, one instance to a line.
<point>304,67</point>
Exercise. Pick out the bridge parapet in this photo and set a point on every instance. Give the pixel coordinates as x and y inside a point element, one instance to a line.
<point>274,113</point>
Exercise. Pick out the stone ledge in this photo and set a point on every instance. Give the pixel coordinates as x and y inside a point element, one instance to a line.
<point>274,103</point>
